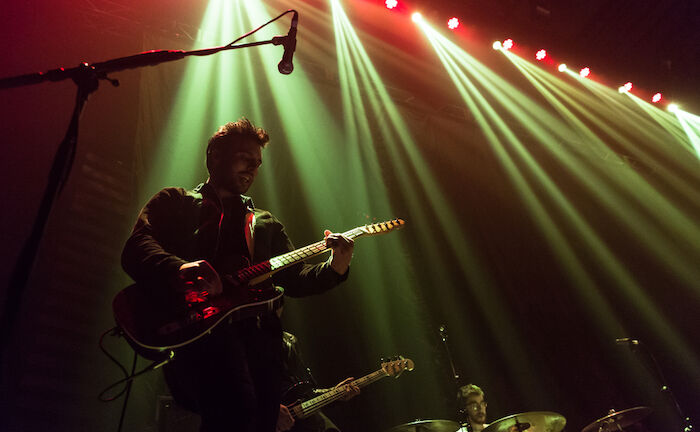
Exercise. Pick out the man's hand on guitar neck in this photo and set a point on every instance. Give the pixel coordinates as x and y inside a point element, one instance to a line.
<point>351,389</point>
<point>341,254</point>
<point>199,276</point>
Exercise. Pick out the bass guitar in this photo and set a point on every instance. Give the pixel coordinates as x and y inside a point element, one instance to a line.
<point>156,320</point>
<point>300,410</point>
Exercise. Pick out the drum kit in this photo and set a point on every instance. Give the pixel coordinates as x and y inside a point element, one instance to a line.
<point>536,421</point>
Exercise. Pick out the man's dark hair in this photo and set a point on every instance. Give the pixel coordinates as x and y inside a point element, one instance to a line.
<point>231,134</point>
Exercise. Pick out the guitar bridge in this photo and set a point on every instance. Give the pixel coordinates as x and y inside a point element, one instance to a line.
<point>202,314</point>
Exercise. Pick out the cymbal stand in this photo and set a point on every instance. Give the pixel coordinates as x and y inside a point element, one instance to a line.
<point>461,413</point>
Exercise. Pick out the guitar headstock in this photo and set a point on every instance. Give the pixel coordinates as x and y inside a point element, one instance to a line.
<point>395,367</point>
<point>382,227</point>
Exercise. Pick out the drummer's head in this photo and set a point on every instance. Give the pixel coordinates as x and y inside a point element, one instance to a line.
<point>471,400</point>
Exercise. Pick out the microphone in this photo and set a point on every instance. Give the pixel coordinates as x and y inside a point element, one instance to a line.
<point>285,65</point>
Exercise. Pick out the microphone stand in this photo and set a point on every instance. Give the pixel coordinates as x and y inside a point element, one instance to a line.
<point>455,376</point>
<point>664,389</point>
<point>86,76</point>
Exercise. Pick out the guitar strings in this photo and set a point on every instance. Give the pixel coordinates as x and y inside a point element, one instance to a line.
<point>339,393</point>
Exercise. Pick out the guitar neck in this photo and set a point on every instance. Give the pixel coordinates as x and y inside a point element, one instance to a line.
<point>312,405</point>
<point>261,271</point>
<point>301,254</point>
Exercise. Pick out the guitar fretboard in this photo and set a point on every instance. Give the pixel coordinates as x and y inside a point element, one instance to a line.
<point>290,258</point>
<point>260,271</point>
<point>311,405</point>
<point>306,252</point>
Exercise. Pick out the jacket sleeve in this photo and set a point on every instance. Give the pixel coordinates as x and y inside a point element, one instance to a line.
<point>302,279</point>
<point>145,256</point>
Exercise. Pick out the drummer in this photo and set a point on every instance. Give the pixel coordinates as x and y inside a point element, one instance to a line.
<point>471,401</point>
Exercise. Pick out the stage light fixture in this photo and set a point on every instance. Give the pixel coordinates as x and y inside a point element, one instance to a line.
<point>453,23</point>
<point>583,73</point>
<point>497,45</point>
<point>672,108</point>
<point>625,88</point>
<point>417,17</point>
<point>541,54</point>
<point>656,98</point>
<point>562,67</point>
<point>391,4</point>
<point>507,44</point>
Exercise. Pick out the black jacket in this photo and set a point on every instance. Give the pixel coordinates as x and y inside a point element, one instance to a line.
<point>178,226</point>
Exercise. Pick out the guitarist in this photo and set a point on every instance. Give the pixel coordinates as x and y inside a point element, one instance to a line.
<point>186,240</point>
<point>298,384</point>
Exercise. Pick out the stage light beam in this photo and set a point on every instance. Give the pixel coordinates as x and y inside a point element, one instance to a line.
<point>497,45</point>
<point>417,17</point>
<point>562,67</point>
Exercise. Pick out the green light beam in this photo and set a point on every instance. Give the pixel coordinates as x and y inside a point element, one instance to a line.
<point>691,126</point>
<point>666,120</point>
<point>643,194</point>
<point>415,175</point>
<point>606,257</point>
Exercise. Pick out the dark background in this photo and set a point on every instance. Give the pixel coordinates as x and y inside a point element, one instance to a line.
<point>561,357</point>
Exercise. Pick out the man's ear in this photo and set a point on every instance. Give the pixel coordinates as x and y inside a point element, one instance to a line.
<point>213,159</point>
<point>214,155</point>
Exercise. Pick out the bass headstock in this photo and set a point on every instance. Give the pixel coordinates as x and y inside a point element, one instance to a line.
<point>396,366</point>
<point>382,227</point>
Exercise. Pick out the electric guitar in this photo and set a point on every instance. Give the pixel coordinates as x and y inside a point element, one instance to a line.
<point>157,319</point>
<point>300,410</point>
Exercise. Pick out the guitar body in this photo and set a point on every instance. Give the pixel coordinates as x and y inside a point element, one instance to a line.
<point>155,322</point>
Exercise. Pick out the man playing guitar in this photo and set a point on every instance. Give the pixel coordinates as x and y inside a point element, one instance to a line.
<point>298,383</point>
<point>184,242</point>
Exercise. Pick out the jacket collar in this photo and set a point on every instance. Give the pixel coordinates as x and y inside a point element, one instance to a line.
<point>208,191</point>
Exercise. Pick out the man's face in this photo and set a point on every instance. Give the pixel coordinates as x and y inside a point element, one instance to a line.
<point>476,409</point>
<point>236,167</point>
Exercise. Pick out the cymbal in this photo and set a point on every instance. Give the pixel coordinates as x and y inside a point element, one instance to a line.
<point>427,426</point>
<point>619,419</point>
<point>535,421</point>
